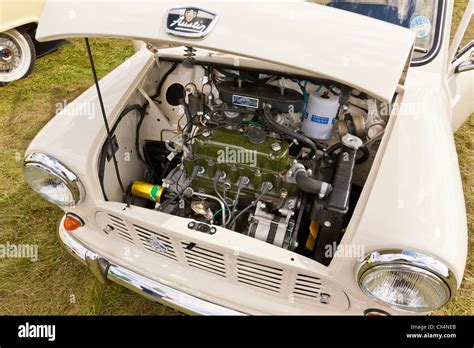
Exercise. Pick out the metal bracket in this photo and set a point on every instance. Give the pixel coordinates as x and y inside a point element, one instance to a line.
<point>202,227</point>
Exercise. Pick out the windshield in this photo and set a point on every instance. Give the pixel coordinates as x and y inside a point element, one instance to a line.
<point>418,15</point>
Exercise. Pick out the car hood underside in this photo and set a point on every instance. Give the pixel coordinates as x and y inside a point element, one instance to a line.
<point>358,51</point>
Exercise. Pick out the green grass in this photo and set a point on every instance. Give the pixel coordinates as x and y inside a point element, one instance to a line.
<point>58,284</point>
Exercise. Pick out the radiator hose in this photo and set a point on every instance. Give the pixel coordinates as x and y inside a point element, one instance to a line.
<point>287,131</point>
<point>311,185</point>
<point>189,117</point>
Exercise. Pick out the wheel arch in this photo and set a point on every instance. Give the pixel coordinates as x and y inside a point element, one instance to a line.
<point>27,24</point>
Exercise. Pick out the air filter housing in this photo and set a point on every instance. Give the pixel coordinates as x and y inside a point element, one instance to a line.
<point>256,95</point>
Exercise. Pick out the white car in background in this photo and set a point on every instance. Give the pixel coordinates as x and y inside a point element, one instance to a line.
<point>18,47</point>
<point>266,158</point>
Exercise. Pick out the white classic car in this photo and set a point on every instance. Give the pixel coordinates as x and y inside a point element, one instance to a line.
<point>18,21</point>
<point>18,47</point>
<point>265,157</point>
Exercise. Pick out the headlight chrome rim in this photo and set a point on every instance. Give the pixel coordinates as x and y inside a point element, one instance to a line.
<point>406,258</point>
<point>54,167</point>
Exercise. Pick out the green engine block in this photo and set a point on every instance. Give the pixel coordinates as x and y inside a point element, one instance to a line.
<point>231,151</point>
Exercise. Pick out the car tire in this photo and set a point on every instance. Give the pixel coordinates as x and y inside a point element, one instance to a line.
<point>17,55</point>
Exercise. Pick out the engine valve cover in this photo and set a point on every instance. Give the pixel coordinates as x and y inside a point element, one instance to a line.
<point>233,153</point>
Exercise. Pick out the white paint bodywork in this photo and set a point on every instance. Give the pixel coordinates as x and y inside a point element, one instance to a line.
<point>412,199</point>
<point>461,86</point>
<point>14,14</point>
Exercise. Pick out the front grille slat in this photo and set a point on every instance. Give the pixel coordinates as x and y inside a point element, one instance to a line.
<point>204,264</point>
<point>199,256</point>
<point>204,259</point>
<point>147,236</point>
<point>259,281</point>
<point>244,271</point>
<point>303,290</point>
<point>199,250</point>
<point>258,275</point>
<point>270,279</point>
<point>149,247</point>
<point>146,231</point>
<point>156,242</point>
<point>253,284</point>
<point>256,264</point>
<point>117,219</point>
<point>121,228</point>
<point>169,256</point>
<point>307,278</point>
<point>207,270</point>
<point>258,271</point>
<point>304,295</point>
<point>307,287</point>
<point>126,236</point>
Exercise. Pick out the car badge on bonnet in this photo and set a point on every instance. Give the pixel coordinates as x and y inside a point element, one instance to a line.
<point>190,22</point>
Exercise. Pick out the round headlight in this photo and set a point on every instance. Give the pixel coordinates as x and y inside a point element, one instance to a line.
<point>406,280</point>
<point>52,181</point>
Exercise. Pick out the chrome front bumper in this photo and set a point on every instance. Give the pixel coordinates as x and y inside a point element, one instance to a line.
<point>105,271</point>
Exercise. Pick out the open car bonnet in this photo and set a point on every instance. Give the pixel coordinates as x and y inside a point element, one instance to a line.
<point>364,53</point>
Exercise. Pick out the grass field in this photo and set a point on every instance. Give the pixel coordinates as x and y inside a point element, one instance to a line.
<point>57,284</point>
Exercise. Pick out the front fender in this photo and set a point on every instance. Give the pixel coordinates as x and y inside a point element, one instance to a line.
<point>416,200</point>
<point>14,14</point>
<point>76,134</point>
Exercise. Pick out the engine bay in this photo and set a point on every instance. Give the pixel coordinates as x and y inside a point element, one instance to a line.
<point>276,157</point>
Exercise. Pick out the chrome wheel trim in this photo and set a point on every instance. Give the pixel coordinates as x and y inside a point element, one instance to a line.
<point>15,56</point>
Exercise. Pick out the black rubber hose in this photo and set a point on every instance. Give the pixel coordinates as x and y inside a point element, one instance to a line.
<point>289,132</point>
<point>191,121</point>
<point>365,155</point>
<point>137,135</point>
<point>241,111</point>
<point>333,148</point>
<point>127,110</point>
<point>163,80</point>
<point>106,145</point>
<point>189,117</point>
<point>310,185</point>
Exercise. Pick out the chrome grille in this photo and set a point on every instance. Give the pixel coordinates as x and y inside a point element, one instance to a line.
<point>156,242</point>
<point>252,273</point>
<point>204,259</point>
<point>120,227</point>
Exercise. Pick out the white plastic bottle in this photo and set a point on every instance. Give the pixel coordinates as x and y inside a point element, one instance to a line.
<point>320,115</point>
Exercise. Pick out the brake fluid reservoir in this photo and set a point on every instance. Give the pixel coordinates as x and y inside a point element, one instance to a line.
<point>320,115</point>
